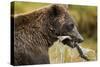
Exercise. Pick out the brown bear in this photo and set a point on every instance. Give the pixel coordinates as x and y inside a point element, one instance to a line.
<point>35,32</point>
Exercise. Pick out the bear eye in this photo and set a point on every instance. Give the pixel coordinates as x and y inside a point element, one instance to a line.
<point>70,27</point>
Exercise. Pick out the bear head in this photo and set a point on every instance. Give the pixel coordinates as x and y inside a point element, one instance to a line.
<point>60,25</point>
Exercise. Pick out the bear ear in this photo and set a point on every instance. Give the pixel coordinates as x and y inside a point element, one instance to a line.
<point>57,9</point>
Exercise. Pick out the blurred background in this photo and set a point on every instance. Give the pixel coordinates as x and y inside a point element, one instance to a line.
<point>86,21</point>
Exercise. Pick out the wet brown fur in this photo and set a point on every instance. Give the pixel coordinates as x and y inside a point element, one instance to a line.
<point>35,32</point>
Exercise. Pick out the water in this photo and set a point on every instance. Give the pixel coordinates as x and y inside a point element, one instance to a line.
<point>60,53</point>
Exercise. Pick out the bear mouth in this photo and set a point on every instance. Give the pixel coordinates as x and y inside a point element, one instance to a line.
<point>68,40</point>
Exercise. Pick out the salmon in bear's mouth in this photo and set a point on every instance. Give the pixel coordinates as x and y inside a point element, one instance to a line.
<point>73,44</point>
<point>68,40</point>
